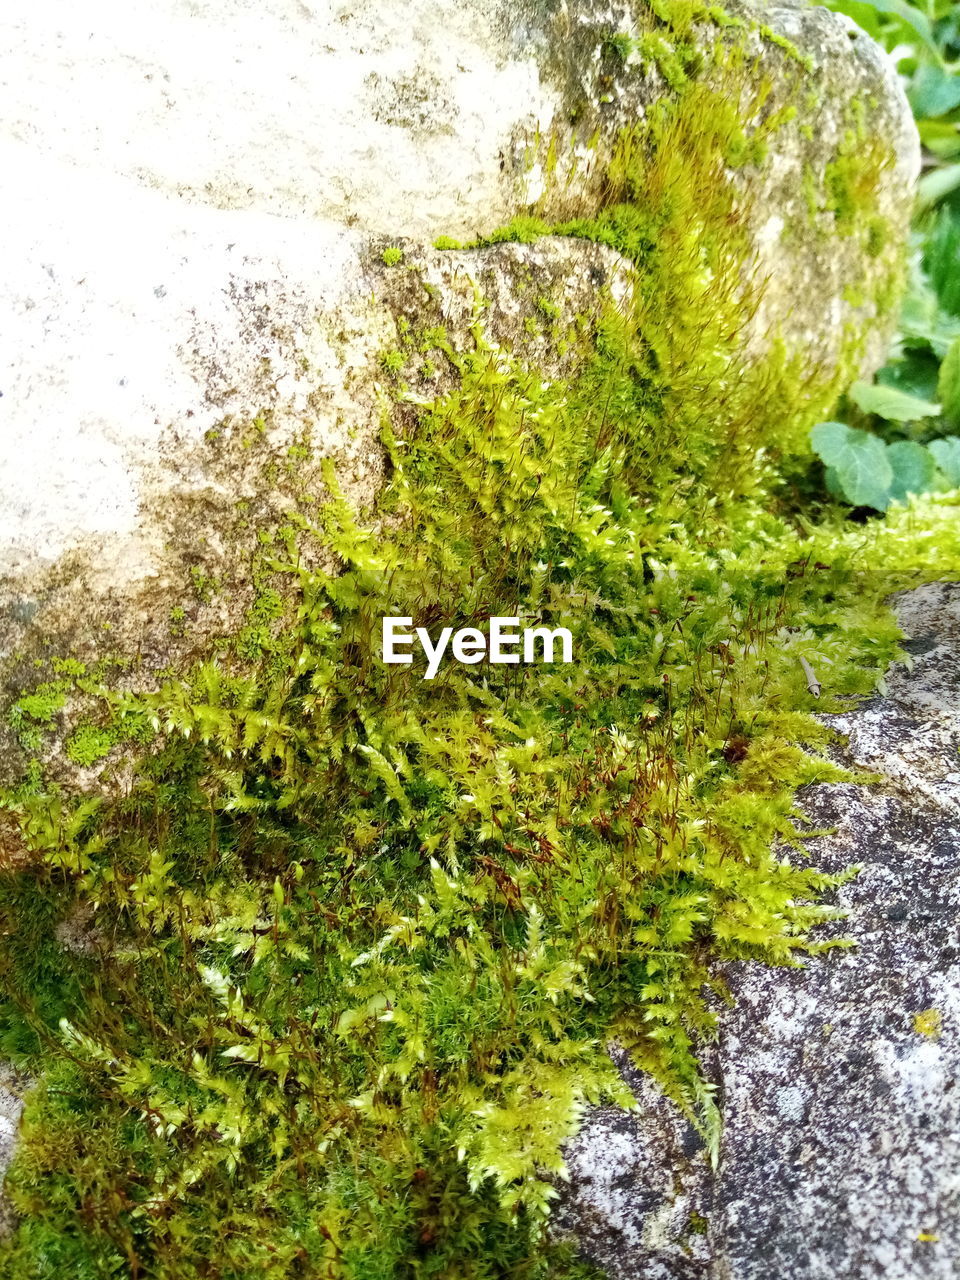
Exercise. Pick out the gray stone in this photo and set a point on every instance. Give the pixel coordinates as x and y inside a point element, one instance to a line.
<point>840,1080</point>
<point>11,1107</point>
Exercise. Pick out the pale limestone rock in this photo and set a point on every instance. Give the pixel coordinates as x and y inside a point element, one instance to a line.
<point>190,189</point>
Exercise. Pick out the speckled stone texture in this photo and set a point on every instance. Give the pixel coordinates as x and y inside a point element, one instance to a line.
<point>11,1106</point>
<point>840,1154</point>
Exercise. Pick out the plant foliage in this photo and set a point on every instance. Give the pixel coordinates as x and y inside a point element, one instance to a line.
<point>350,946</point>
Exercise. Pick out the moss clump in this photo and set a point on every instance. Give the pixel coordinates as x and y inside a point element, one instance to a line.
<point>358,940</point>
<point>668,206</point>
<point>392,361</point>
<point>851,182</point>
<point>89,743</point>
<point>34,711</point>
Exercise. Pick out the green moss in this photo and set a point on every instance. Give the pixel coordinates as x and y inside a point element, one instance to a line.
<point>392,361</point>
<point>854,295</point>
<point>434,338</point>
<point>851,183</point>
<point>392,256</point>
<point>90,743</point>
<point>521,230</point>
<point>677,61</point>
<point>877,236</point>
<point>803,60</point>
<point>621,44</point>
<point>370,923</point>
<point>41,705</point>
<point>548,308</point>
<point>205,585</point>
<point>360,939</point>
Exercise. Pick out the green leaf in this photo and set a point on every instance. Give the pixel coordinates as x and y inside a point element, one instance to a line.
<point>941,253</point>
<point>917,21</point>
<point>865,474</point>
<point>934,92</point>
<point>913,468</point>
<point>915,373</point>
<point>859,463</point>
<point>829,441</point>
<point>890,402</point>
<point>832,481</point>
<point>933,186</point>
<point>941,137</point>
<point>947,454</point>
<point>948,384</point>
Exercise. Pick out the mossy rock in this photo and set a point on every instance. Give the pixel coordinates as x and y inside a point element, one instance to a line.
<point>314,960</point>
<point>201,346</point>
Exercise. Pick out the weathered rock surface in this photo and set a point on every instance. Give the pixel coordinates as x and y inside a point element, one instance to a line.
<point>11,1106</point>
<point>196,197</point>
<point>111,510</point>
<point>840,1081</point>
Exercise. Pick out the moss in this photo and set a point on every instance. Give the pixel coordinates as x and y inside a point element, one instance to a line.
<point>854,295</point>
<point>676,61</point>
<point>41,705</point>
<point>89,743</point>
<point>367,922</point>
<point>803,60</point>
<point>548,308</point>
<point>621,44</point>
<point>877,236</point>
<point>360,938</point>
<point>392,256</point>
<point>392,361</point>
<point>852,181</point>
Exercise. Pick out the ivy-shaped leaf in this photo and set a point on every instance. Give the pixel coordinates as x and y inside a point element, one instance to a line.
<point>947,455</point>
<point>891,403</point>
<point>913,468</point>
<point>858,461</point>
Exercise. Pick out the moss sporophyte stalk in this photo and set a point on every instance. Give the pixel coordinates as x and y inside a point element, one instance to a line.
<point>355,942</point>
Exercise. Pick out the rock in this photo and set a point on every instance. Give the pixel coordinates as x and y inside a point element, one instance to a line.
<point>838,1080</point>
<point>201,356</point>
<point>910,736</point>
<point>407,120</point>
<point>11,1106</point>
<point>195,222</point>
